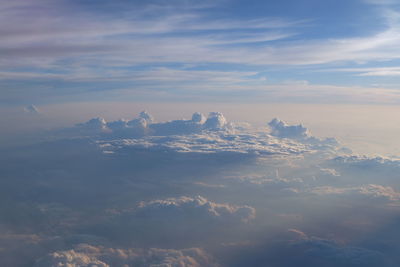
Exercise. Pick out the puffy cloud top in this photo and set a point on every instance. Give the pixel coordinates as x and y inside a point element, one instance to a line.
<point>198,117</point>
<point>145,125</point>
<point>146,116</point>
<point>215,121</point>
<point>297,132</point>
<point>281,129</point>
<point>212,135</point>
<point>95,126</point>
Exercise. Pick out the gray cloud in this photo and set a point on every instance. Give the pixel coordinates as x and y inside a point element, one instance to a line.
<point>368,162</point>
<point>318,252</point>
<point>31,109</point>
<point>295,248</point>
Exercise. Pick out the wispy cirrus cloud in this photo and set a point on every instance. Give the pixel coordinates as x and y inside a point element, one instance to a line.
<point>140,46</point>
<point>378,71</point>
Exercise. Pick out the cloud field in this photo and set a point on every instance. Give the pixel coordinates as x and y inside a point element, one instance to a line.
<point>198,192</point>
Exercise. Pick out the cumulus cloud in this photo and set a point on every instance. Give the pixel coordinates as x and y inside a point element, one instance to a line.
<point>197,208</point>
<point>198,117</point>
<point>85,255</point>
<point>215,121</point>
<point>200,135</point>
<point>298,132</point>
<point>281,129</point>
<point>178,127</point>
<point>145,125</point>
<point>96,124</point>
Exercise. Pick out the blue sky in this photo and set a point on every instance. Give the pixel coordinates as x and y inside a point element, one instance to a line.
<point>277,51</point>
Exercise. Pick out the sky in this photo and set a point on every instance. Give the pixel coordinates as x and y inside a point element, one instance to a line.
<point>181,133</point>
<point>178,51</point>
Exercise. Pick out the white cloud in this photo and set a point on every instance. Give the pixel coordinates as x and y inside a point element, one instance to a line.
<point>197,208</point>
<point>209,142</point>
<point>70,258</point>
<point>145,125</point>
<point>281,129</point>
<point>215,121</point>
<point>93,127</point>
<point>297,132</point>
<point>376,71</point>
<point>199,135</point>
<point>330,172</point>
<point>85,255</point>
<point>146,116</point>
<point>82,39</point>
<point>81,30</point>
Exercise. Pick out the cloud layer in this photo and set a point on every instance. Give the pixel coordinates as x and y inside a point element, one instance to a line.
<point>213,134</point>
<point>196,192</point>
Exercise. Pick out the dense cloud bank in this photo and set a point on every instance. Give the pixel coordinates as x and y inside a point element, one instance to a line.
<point>197,192</point>
<point>213,134</point>
<point>145,125</point>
